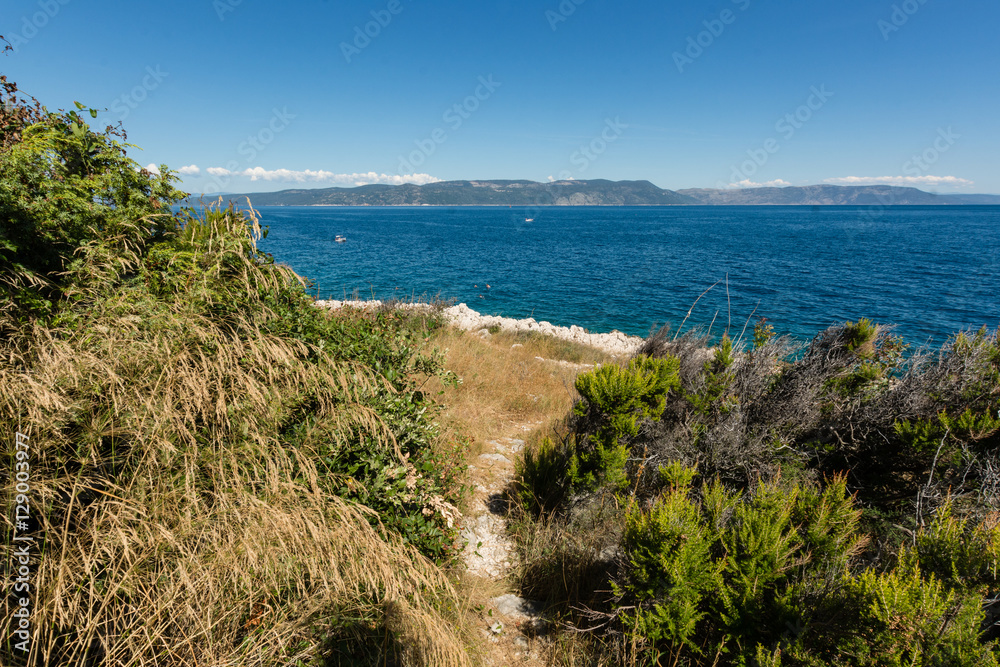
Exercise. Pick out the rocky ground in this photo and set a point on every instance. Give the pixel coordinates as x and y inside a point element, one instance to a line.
<point>615,342</point>
<point>515,627</point>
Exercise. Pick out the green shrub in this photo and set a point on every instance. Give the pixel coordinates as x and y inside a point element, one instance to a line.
<point>714,397</point>
<point>763,333</point>
<point>670,569</point>
<point>615,400</point>
<point>206,443</point>
<point>542,474</point>
<point>899,438</point>
<point>76,211</point>
<point>905,618</point>
<point>859,337</point>
<point>728,573</point>
<point>958,553</point>
<point>676,475</point>
<point>731,580</point>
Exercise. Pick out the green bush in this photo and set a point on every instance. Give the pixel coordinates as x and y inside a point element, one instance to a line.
<point>714,396</point>
<point>731,580</point>
<point>615,401</point>
<point>541,474</point>
<point>76,211</point>
<point>959,552</point>
<point>906,618</point>
<point>670,569</point>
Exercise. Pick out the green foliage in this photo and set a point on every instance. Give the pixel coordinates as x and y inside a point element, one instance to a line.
<point>958,553</point>
<point>676,475</point>
<point>601,465</point>
<point>87,240</point>
<point>979,355</point>
<point>829,523</point>
<point>670,568</point>
<point>75,211</point>
<point>860,337</point>
<point>542,474</point>
<point>766,579</point>
<point>947,438</point>
<point>615,400</point>
<point>763,333</point>
<point>770,566</point>
<point>909,619</point>
<point>876,358</point>
<point>714,398</point>
<point>616,397</point>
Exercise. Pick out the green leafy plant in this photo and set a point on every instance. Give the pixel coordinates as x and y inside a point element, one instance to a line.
<point>615,400</point>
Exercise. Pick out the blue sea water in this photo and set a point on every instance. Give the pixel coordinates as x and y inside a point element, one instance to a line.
<point>932,271</point>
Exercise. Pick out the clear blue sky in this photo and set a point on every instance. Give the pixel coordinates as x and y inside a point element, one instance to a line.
<point>289,93</point>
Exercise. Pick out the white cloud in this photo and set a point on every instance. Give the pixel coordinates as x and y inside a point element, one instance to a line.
<point>321,176</point>
<point>153,169</point>
<point>933,181</point>
<point>189,170</point>
<point>747,183</point>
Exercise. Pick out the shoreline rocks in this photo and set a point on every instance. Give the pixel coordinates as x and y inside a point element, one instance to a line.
<point>615,343</point>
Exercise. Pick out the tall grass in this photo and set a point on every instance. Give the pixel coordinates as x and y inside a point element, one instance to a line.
<point>187,443</point>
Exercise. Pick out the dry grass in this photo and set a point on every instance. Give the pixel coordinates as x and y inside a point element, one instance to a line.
<point>503,388</point>
<point>502,385</point>
<point>209,552</point>
<point>174,526</point>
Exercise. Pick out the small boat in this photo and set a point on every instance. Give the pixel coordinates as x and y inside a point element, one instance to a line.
<point>340,239</point>
<point>529,219</point>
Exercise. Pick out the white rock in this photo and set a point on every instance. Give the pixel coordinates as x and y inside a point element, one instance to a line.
<point>517,607</point>
<point>462,316</point>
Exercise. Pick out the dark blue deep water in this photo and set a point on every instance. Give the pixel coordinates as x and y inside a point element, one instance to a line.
<point>930,270</point>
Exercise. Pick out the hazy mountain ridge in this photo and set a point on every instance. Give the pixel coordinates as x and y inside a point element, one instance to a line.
<point>818,195</point>
<point>479,193</point>
<point>601,192</point>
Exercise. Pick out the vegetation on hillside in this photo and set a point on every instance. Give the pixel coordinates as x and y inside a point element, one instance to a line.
<point>220,472</point>
<point>835,505</point>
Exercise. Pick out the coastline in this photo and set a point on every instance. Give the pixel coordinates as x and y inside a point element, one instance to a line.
<point>615,342</point>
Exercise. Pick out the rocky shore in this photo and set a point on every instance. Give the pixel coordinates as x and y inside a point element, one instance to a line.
<point>615,343</point>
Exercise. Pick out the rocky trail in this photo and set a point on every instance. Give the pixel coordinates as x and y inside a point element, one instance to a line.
<point>514,628</point>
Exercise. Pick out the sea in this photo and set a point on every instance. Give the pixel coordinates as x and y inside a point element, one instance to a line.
<point>930,271</point>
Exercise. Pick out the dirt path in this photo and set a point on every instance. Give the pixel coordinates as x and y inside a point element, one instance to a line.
<point>511,628</point>
<point>511,386</point>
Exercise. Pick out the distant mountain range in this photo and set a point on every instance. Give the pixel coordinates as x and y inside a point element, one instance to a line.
<point>600,193</point>
<point>832,195</point>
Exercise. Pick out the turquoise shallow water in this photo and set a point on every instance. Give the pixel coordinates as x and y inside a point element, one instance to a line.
<point>930,270</point>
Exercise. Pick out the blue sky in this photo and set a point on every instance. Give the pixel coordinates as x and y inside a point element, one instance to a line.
<point>253,95</point>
